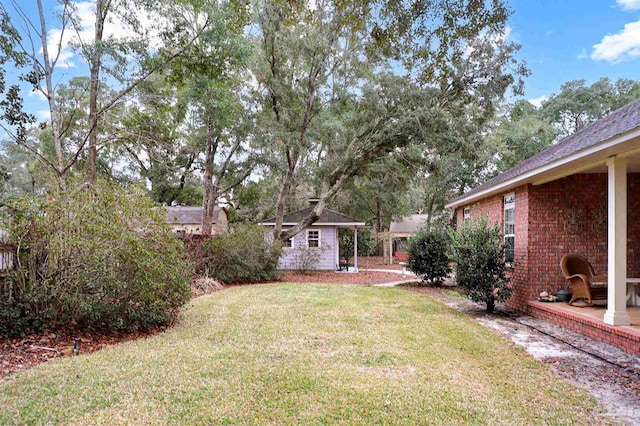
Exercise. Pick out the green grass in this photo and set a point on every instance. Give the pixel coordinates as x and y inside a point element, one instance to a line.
<point>301,354</point>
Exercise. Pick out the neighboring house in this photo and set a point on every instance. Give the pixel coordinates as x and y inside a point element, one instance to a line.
<point>317,244</point>
<point>396,240</point>
<point>581,196</point>
<point>188,220</point>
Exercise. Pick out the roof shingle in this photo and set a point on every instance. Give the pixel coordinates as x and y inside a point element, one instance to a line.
<point>327,216</point>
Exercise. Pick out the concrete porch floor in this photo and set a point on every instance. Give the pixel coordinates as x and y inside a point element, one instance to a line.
<point>597,312</point>
<point>588,320</point>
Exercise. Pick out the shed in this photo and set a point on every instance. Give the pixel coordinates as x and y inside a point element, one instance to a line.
<point>321,237</point>
<point>188,219</point>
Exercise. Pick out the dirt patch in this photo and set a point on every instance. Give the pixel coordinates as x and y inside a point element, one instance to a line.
<point>377,262</point>
<point>609,374</point>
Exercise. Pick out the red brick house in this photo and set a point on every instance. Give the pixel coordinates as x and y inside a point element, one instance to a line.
<point>581,196</point>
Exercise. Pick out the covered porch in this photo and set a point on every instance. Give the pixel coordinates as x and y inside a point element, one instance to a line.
<point>597,206</point>
<point>618,248</point>
<point>580,196</point>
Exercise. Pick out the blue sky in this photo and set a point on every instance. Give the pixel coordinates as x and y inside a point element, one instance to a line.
<point>558,39</point>
<point>561,40</point>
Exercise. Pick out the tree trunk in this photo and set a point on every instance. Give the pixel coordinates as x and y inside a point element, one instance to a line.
<point>102,7</point>
<point>48,74</point>
<point>292,160</point>
<point>491,304</point>
<point>209,196</point>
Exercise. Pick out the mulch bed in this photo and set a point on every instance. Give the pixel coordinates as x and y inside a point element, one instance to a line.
<point>21,353</point>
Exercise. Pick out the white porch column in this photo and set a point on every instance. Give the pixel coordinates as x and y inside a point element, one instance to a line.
<point>355,248</point>
<point>617,243</point>
<point>337,250</point>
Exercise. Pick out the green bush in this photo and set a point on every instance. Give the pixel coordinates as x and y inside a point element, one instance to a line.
<point>478,254</point>
<point>97,257</point>
<point>428,255</point>
<point>242,255</point>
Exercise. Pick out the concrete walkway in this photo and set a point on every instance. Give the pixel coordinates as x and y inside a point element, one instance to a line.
<point>408,277</point>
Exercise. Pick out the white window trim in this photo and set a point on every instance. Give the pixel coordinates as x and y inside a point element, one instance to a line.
<point>319,237</point>
<point>293,244</point>
<point>508,206</point>
<point>466,214</point>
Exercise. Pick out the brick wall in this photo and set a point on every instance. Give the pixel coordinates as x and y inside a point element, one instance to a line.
<point>568,215</point>
<point>492,210</point>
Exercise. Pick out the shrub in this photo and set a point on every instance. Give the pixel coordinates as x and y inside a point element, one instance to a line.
<point>97,257</point>
<point>242,255</point>
<point>307,258</point>
<point>428,255</point>
<point>478,253</point>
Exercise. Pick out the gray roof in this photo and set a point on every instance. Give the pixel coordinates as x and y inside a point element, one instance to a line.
<point>186,215</point>
<point>616,123</point>
<point>409,224</point>
<point>327,217</point>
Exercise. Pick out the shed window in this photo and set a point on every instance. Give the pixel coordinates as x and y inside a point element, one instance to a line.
<point>288,243</point>
<point>509,228</point>
<point>466,213</point>
<point>313,238</point>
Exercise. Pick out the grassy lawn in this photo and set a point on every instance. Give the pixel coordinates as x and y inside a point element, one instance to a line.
<point>302,354</point>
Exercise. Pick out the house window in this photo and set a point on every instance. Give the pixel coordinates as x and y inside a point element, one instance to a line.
<point>466,214</point>
<point>509,228</point>
<point>313,238</point>
<point>289,243</point>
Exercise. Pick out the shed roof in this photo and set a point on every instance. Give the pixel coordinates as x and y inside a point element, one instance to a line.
<point>409,224</point>
<point>189,214</point>
<point>327,217</point>
<point>618,123</point>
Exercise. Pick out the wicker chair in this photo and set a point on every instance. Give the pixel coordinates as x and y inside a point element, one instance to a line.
<point>580,274</point>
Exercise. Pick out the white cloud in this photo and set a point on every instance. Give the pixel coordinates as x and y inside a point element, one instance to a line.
<point>38,94</point>
<point>548,33</point>
<point>583,54</point>
<point>619,47</point>
<point>43,115</point>
<point>537,102</point>
<point>629,4</point>
<point>113,28</point>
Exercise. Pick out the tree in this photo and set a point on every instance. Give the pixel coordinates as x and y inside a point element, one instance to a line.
<point>520,134</point>
<point>326,56</point>
<point>578,105</point>
<point>378,196</point>
<point>196,116</point>
<point>117,49</point>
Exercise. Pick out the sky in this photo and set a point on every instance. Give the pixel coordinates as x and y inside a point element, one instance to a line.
<point>561,40</point>
<point>565,40</point>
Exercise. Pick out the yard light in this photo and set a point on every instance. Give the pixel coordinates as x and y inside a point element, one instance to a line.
<point>76,346</point>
